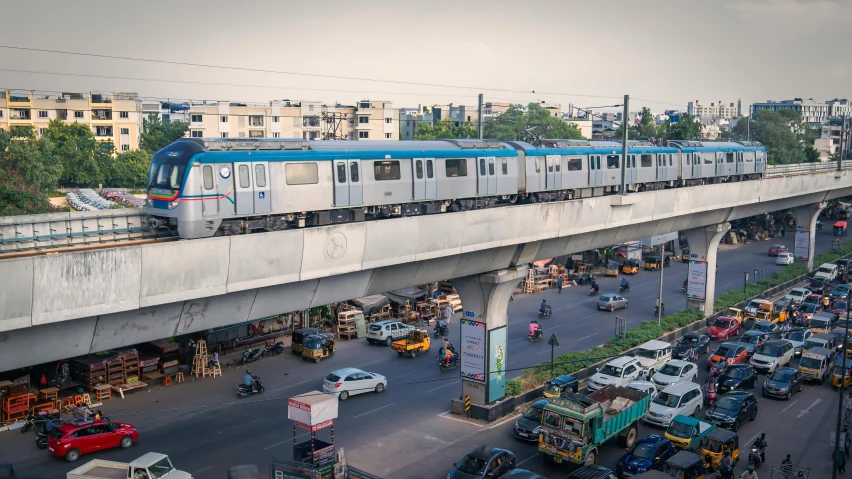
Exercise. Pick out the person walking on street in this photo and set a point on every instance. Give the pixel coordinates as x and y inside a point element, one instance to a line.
<point>847,407</point>
<point>448,313</point>
<point>847,439</point>
<point>841,462</point>
<point>787,466</point>
<point>559,284</point>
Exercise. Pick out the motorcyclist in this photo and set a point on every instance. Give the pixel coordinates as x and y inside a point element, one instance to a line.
<point>535,329</point>
<point>624,283</point>
<point>726,472</point>
<point>761,444</point>
<point>248,380</point>
<point>690,355</point>
<point>544,307</point>
<point>595,287</point>
<point>726,459</point>
<point>441,326</point>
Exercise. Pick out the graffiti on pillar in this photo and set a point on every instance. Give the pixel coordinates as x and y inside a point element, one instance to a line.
<point>473,350</point>
<point>497,364</point>
<point>803,245</point>
<point>696,287</point>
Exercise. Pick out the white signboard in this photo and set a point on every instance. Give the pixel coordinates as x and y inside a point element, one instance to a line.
<point>660,239</point>
<point>696,287</point>
<point>312,408</point>
<point>803,243</point>
<point>473,350</point>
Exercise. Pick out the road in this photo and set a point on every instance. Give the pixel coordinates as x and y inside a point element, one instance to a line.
<point>404,431</point>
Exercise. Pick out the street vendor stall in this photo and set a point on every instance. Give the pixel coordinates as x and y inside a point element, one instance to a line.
<point>314,411</point>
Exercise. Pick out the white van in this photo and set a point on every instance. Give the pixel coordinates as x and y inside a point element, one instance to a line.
<point>682,398</point>
<point>827,272</point>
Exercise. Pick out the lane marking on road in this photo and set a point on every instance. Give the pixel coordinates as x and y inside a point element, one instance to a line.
<point>196,473</point>
<point>442,387</point>
<point>449,415</point>
<point>791,405</point>
<point>372,362</point>
<point>805,411</point>
<point>402,376</point>
<point>285,441</point>
<point>293,385</point>
<point>545,352</point>
<point>374,410</point>
<point>589,336</point>
<point>527,459</point>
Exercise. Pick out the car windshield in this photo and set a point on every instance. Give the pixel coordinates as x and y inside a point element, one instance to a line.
<point>796,293</point>
<point>782,376</point>
<point>810,363</point>
<point>533,413</point>
<point>688,340</point>
<point>670,370</point>
<point>751,339</point>
<point>56,434</point>
<point>808,308</point>
<point>721,323</point>
<point>375,327</point>
<point>679,429</point>
<point>755,304</point>
<point>839,305</point>
<point>646,353</point>
<point>796,336</point>
<point>734,373</point>
<point>812,343</point>
<point>769,350</point>
<point>472,465</point>
<point>610,370</point>
<point>728,404</point>
<point>824,270</point>
<point>666,399</point>
<point>642,451</point>
<point>819,323</point>
<point>765,327</point>
<point>553,390</point>
<point>161,468</point>
<point>725,351</point>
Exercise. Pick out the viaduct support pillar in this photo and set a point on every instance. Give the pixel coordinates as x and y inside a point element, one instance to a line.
<point>484,326</point>
<point>806,218</point>
<point>703,246</point>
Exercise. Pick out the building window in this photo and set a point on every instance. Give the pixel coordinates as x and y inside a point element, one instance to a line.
<point>255,133</point>
<point>125,147</point>
<point>1,113</point>
<point>224,135</point>
<point>195,118</point>
<point>197,134</point>
<point>456,168</point>
<point>275,119</point>
<point>363,134</point>
<point>276,135</point>
<point>207,175</point>
<point>255,120</point>
<point>124,114</point>
<point>386,170</point>
<point>78,114</point>
<point>42,131</point>
<point>125,131</point>
<point>364,105</point>
<point>242,134</point>
<point>301,173</point>
<point>363,119</point>
<point>388,136</point>
<point>223,119</point>
<point>42,114</point>
<point>388,120</point>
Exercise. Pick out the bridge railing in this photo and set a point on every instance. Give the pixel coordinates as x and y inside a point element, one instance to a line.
<point>800,168</point>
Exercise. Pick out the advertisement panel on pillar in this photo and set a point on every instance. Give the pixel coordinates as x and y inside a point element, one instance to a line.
<point>803,243</point>
<point>497,364</point>
<point>473,350</point>
<point>696,287</point>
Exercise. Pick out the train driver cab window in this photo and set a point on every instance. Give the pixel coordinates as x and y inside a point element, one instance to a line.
<point>386,170</point>
<point>611,162</point>
<point>301,173</point>
<point>504,165</point>
<point>207,174</point>
<point>260,175</point>
<point>730,158</point>
<point>646,161</point>
<point>245,181</point>
<point>418,168</point>
<point>574,164</point>
<point>341,172</point>
<point>456,168</point>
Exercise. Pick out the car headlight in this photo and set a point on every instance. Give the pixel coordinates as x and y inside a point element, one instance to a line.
<point>668,416</point>
<point>537,430</point>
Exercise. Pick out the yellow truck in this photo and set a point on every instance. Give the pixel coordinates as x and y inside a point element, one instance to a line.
<point>767,312</point>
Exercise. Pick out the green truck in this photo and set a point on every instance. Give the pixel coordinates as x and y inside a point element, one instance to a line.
<point>573,427</point>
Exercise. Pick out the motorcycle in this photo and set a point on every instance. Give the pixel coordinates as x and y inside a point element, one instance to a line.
<point>276,348</point>
<point>710,397</point>
<point>657,308</point>
<point>41,439</point>
<point>624,289</point>
<point>724,472</point>
<point>440,331</point>
<point>251,355</point>
<point>756,456</point>
<point>454,363</point>
<point>39,422</point>
<point>546,313</point>
<point>594,291</point>
<point>243,390</point>
<point>716,369</point>
<point>536,336</point>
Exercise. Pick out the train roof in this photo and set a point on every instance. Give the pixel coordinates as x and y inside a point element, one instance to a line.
<point>690,146</point>
<point>586,147</point>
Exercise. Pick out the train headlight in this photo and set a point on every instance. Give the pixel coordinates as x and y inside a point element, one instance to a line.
<point>173,204</point>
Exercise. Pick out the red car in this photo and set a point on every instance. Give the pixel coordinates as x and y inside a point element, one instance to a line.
<point>777,249</point>
<point>723,328</point>
<point>839,306</point>
<point>732,353</point>
<point>83,437</point>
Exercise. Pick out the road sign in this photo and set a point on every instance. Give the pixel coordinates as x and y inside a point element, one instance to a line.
<point>553,341</point>
<point>469,314</point>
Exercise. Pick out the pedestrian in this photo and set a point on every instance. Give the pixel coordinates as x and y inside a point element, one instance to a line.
<point>847,407</point>
<point>787,466</point>
<point>559,284</point>
<point>847,439</point>
<point>448,313</point>
<point>841,462</point>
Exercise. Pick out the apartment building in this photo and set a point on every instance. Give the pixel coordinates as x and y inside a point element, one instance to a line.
<point>166,111</point>
<point>810,110</point>
<point>114,117</point>
<point>834,135</point>
<point>310,120</point>
<point>718,109</point>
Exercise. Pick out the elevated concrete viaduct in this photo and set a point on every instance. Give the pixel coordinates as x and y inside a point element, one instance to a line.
<point>61,305</point>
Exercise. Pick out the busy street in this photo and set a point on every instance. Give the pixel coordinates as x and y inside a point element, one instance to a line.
<point>406,430</point>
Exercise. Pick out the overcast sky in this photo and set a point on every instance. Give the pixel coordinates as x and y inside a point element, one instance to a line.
<point>589,53</point>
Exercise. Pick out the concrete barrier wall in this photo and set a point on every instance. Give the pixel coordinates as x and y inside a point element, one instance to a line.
<point>372,256</point>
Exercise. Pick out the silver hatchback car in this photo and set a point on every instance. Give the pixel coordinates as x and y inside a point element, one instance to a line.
<point>611,302</point>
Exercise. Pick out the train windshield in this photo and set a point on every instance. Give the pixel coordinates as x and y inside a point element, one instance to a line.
<point>164,175</point>
<point>169,164</point>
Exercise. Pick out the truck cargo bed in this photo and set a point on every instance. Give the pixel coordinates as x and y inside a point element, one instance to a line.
<point>107,472</point>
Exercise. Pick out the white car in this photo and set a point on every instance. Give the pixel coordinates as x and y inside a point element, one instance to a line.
<point>618,371</point>
<point>646,387</point>
<point>772,355</point>
<point>673,372</point>
<point>683,398</point>
<point>349,381</point>
<point>387,331</point>
<point>653,355</point>
<point>798,338</point>
<point>797,295</point>
<point>784,259</point>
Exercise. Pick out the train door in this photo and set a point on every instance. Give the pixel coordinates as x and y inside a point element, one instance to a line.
<point>262,191</point>
<point>630,170</point>
<point>341,183</point>
<point>244,189</point>
<point>595,173</point>
<point>418,174</point>
<point>356,185</point>
<point>431,181</point>
<point>209,194</point>
<point>550,161</point>
<point>487,176</point>
<point>224,179</point>
<point>661,167</point>
<point>740,164</point>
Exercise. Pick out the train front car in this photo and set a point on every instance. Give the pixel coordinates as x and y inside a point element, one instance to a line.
<point>168,182</point>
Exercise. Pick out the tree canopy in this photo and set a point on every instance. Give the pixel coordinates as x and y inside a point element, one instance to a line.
<point>526,123</point>
<point>781,132</point>
<point>445,129</point>
<point>156,134</point>
<point>33,159</point>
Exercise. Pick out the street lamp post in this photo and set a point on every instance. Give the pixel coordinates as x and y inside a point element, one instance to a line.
<point>745,284</point>
<point>660,299</point>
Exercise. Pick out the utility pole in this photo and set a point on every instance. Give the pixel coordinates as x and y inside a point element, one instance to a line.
<point>840,399</point>
<point>840,153</point>
<point>480,116</point>
<point>662,268</point>
<point>624,125</point>
<point>745,286</point>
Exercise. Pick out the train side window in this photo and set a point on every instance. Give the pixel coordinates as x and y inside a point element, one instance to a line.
<point>207,174</point>
<point>647,161</point>
<point>341,172</point>
<point>386,170</point>
<point>558,164</point>
<point>491,167</point>
<point>482,167</point>
<point>245,182</point>
<point>537,164</point>
<point>574,164</point>
<point>301,173</point>
<point>418,168</point>
<point>708,159</point>
<point>260,175</point>
<point>456,168</point>
<point>429,169</point>
<point>671,163</point>
<point>504,165</point>
<point>611,162</point>
<point>591,162</point>
<point>688,158</point>
<point>598,162</point>
<point>353,171</point>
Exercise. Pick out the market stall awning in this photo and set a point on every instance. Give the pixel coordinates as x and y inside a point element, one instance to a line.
<point>370,304</point>
<point>400,296</point>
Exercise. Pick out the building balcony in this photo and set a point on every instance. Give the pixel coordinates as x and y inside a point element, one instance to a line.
<point>21,115</point>
<point>18,99</point>
<point>101,131</point>
<point>102,115</point>
<point>98,99</point>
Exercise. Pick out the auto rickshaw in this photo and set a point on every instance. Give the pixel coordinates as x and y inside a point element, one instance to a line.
<point>298,336</point>
<point>838,371</point>
<point>559,385</point>
<point>318,346</point>
<point>736,313</point>
<point>687,432</point>
<point>684,465</point>
<point>611,268</point>
<point>714,445</point>
<point>631,266</point>
<point>652,263</point>
<point>684,255</point>
<point>417,341</point>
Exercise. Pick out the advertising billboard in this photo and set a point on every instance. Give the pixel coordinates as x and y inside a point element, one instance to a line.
<point>473,350</point>
<point>803,243</point>
<point>696,287</point>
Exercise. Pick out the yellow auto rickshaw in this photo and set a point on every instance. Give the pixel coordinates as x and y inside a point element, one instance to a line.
<point>714,445</point>
<point>737,314</point>
<point>838,372</point>
<point>684,255</point>
<point>298,336</point>
<point>631,266</point>
<point>318,346</point>
<point>611,268</point>
<point>652,263</point>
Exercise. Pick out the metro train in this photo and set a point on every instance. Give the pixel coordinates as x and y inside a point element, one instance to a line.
<point>210,187</point>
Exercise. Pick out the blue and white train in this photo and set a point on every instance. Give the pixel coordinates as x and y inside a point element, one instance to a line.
<point>209,187</point>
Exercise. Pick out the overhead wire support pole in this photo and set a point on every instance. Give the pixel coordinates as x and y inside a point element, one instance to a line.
<point>624,126</point>
<point>662,268</point>
<point>480,116</point>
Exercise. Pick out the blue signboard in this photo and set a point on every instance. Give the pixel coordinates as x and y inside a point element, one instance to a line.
<point>469,314</point>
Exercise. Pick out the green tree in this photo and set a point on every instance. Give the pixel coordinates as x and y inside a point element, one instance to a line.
<point>811,155</point>
<point>19,198</point>
<point>445,129</point>
<point>781,132</point>
<point>32,158</point>
<point>686,128</point>
<point>530,122</point>
<point>647,127</point>
<point>128,169</point>
<point>157,134</point>
<point>82,155</point>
